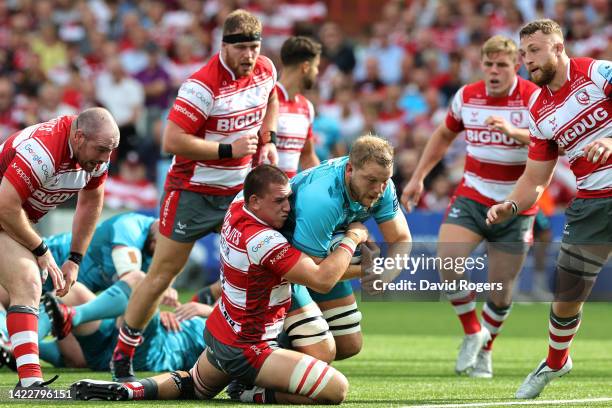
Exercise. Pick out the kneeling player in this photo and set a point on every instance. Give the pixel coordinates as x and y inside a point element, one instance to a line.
<point>258,265</point>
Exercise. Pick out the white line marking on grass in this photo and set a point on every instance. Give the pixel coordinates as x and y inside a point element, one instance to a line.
<point>509,403</point>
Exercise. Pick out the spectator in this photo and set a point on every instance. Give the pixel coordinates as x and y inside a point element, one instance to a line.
<point>50,103</point>
<point>10,117</point>
<point>130,189</point>
<point>336,49</point>
<point>124,98</point>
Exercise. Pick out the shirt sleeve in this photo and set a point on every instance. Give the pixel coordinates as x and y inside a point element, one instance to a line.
<point>281,259</point>
<point>540,148</point>
<point>601,75</point>
<point>192,106</point>
<point>453,116</point>
<point>270,249</point>
<point>389,205</point>
<point>30,167</point>
<point>316,218</point>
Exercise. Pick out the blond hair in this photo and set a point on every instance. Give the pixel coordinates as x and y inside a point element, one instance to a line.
<point>499,44</point>
<point>371,148</point>
<point>241,22</point>
<point>545,25</point>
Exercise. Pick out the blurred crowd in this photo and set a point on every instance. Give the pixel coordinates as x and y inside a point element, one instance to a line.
<point>395,77</point>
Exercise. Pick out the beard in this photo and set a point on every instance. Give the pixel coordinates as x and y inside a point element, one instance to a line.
<point>547,74</point>
<point>359,196</point>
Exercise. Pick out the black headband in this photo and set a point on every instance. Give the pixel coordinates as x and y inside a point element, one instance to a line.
<point>239,38</point>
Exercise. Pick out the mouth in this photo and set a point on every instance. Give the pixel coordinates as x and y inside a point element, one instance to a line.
<point>533,71</point>
<point>494,82</point>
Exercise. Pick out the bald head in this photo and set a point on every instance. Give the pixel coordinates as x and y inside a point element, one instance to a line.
<point>98,124</point>
<point>96,135</point>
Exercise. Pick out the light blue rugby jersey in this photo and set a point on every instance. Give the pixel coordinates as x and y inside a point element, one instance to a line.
<point>321,205</point>
<point>128,229</point>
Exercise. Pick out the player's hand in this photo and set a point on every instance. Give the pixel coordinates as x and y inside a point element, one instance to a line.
<point>360,231</point>
<point>498,123</point>
<point>48,267</point>
<point>192,309</point>
<point>369,252</point>
<point>412,194</point>
<point>169,321</point>
<point>269,154</point>
<point>598,150</point>
<point>170,298</point>
<point>70,272</point>
<point>499,213</point>
<point>244,146</point>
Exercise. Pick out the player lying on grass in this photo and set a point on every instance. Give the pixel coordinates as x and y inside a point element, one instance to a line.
<point>258,266</point>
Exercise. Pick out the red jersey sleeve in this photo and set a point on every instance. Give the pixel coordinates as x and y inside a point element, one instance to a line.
<point>21,176</point>
<point>543,149</point>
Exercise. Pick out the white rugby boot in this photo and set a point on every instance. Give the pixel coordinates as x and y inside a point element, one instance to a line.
<point>540,377</point>
<point>472,343</point>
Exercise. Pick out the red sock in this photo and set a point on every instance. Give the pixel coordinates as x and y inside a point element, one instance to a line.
<point>22,326</point>
<point>465,306</point>
<point>561,332</point>
<point>493,318</point>
<point>128,340</point>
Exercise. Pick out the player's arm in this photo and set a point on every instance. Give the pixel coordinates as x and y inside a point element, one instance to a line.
<point>434,151</point>
<point>308,157</point>
<point>527,191</point>
<point>88,210</point>
<point>323,276</point>
<point>178,142</point>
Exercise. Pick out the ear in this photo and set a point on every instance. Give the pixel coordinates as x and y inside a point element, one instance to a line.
<point>559,48</point>
<point>304,67</point>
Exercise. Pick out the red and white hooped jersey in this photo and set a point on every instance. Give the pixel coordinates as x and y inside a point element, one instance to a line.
<point>494,161</point>
<point>40,164</point>
<point>572,117</point>
<point>255,297</point>
<point>215,105</point>
<point>294,128</point>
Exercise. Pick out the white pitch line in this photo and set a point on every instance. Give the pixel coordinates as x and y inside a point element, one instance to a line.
<point>510,403</point>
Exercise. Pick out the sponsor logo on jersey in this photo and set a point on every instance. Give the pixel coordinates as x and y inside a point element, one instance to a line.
<point>53,198</point>
<point>23,176</point>
<point>486,136</point>
<point>239,122</point>
<point>516,118</point>
<point>265,241</point>
<point>279,256</point>
<point>36,159</point>
<point>583,97</point>
<point>190,89</point>
<point>185,112</point>
<point>590,121</point>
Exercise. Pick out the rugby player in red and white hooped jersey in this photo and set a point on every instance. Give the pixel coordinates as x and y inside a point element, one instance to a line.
<point>493,114</point>
<point>40,167</point>
<point>258,265</point>
<point>572,110</point>
<point>212,130</point>
<point>300,57</point>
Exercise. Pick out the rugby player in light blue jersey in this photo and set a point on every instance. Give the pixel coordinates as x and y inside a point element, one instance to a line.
<point>325,200</point>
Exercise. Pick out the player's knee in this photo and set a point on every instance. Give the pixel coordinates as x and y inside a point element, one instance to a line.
<point>309,333</point>
<point>184,385</point>
<point>318,380</point>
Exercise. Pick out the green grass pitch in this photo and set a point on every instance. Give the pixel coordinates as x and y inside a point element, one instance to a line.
<point>409,355</point>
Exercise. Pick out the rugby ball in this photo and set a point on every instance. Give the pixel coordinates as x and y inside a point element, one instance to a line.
<point>335,241</point>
